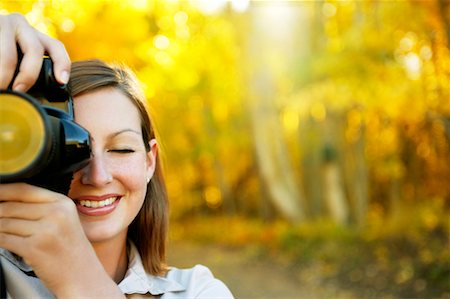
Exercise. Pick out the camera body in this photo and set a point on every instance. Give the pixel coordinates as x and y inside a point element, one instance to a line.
<point>39,141</point>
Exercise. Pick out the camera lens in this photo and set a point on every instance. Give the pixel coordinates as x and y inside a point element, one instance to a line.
<point>22,134</point>
<point>40,144</point>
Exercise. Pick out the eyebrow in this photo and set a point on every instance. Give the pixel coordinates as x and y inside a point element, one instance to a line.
<point>115,134</point>
<point>112,135</point>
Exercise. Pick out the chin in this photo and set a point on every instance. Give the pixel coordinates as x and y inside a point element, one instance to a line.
<point>97,234</point>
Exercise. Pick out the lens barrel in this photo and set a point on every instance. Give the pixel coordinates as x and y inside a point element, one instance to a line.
<point>39,141</point>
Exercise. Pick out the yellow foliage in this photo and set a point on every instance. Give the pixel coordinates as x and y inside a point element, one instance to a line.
<point>346,76</point>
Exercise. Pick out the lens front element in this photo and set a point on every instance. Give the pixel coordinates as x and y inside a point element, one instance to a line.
<point>22,134</point>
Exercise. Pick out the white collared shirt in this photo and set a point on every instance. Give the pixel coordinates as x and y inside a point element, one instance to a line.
<point>196,282</point>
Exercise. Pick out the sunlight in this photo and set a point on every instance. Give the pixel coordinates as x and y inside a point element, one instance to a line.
<point>139,4</point>
<point>181,18</point>
<point>161,42</point>
<point>240,5</point>
<point>413,66</point>
<point>407,42</point>
<point>277,20</point>
<point>278,30</point>
<point>426,53</point>
<point>209,7</point>
<point>163,59</point>
<point>182,30</point>
<point>67,25</point>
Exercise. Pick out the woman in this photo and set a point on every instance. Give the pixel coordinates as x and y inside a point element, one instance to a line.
<point>107,237</point>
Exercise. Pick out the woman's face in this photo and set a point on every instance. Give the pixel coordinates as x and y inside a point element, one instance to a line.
<point>110,190</point>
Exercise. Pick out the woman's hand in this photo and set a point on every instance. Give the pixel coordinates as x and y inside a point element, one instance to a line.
<point>43,227</point>
<point>14,29</point>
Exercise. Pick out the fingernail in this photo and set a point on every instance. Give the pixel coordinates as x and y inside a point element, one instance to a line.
<point>19,87</point>
<point>64,77</point>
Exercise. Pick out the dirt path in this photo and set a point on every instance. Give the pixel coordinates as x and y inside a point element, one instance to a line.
<point>250,277</point>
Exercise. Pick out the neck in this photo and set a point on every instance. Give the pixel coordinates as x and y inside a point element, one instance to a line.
<point>113,256</point>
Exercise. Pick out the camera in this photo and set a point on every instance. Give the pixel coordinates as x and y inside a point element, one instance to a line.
<point>40,143</point>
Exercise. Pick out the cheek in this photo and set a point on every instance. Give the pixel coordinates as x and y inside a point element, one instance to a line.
<point>130,172</point>
<point>132,178</point>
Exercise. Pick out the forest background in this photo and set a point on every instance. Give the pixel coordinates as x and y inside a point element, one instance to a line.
<point>308,132</point>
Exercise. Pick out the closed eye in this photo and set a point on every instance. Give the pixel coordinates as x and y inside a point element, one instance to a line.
<point>121,151</point>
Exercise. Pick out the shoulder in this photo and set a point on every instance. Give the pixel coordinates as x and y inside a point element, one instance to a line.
<point>199,282</point>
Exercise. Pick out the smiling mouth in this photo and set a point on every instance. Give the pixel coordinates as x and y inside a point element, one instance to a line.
<point>98,203</point>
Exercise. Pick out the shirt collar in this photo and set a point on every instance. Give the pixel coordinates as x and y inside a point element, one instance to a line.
<point>136,280</point>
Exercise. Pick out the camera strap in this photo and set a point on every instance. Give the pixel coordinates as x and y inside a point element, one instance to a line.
<point>2,283</point>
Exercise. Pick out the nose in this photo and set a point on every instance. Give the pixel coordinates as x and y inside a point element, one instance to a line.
<point>96,173</point>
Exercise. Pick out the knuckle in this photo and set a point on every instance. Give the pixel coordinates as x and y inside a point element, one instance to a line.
<point>39,49</point>
<point>46,236</point>
<point>53,230</point>
<point>17,17</point>
<point>12,19</point>
<point>69,205</point>
<point>57,44</point>
<point>21,185</point>
<point>3,239</point>
<point>58,48</point>
<point>59,214</point>
<point>62,210</point>
<point>22,188</point>
<point>26,78</point>
<point>5,225</point>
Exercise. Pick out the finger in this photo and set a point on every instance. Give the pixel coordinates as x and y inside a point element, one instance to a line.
<point>8,53</point>
<point>31,63</point>
<point>60,58</point>
<point>13,243</point>
<point>21,210</point>
<point>23,192</point>
<point>18,227</point>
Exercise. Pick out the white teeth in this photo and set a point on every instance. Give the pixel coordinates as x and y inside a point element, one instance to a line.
<point>96,203</point>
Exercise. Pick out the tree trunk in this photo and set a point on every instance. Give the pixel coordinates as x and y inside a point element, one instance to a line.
<point>271,151</point>
<point>311,138</point>
<point>271,50</point>
<point>334,194</point>
<point>361,184</point>
<point>333,165</point>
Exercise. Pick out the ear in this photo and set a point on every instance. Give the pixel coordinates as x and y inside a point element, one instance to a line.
<point>151,159</point>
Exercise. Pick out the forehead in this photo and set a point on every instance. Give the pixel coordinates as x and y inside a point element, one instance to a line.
<point>106,108</point>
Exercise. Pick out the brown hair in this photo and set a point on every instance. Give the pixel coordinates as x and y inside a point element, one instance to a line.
<point>148,230</point>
